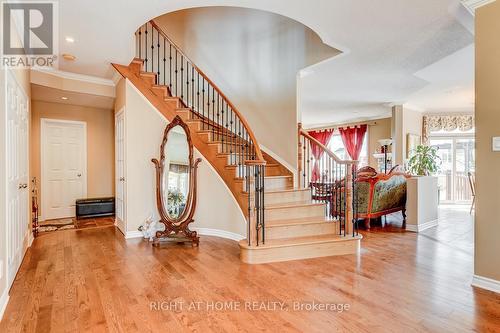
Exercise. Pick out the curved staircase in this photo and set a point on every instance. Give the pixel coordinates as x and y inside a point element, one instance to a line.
<point>284,223</point>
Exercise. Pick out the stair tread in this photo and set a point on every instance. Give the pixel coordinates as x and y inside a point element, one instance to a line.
<point>299,221</point>
<point>288,190</point>
<point>290,204</point>
<point>285,190</point>
<point>232,166</point>
<point>266,177</point>
<point>286,242</point>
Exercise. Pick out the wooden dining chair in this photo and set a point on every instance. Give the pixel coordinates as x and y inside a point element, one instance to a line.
<point>472,183</point>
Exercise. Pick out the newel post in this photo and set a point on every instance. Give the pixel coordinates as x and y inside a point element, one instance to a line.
<point>299,168</point>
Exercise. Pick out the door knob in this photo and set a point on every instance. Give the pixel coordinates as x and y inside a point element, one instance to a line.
<point>79,175</point>
<point>20,186</point>
<point>25,185</point>
<point>122,179</point>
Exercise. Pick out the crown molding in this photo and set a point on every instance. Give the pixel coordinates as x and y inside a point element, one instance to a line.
<point>75,76</point>
<point>472,5</point>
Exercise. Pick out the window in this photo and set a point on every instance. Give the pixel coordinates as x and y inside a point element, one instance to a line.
<point>337,147</point>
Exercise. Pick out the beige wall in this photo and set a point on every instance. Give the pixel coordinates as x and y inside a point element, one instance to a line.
<point>100,143</point>
<point>254,57</point>
<point>380,130</point>
<point>487,226</point>
<point>412,124</point>
<point>404,121</point>
<point>144,126</point>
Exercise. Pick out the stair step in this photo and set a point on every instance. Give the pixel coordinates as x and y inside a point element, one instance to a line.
<point>160,90</point>
<point>136,65</point>
<point>299,221</point>
<point>241,172</point>
<point>176,101</point>
<point>289,195</point>
<point>271,182</point>
<point>149,76</point>
<point>300,228</point>
<point>294,210</point>
<point>299,248</point>
<point>208,135</point>
<point>184,113</point>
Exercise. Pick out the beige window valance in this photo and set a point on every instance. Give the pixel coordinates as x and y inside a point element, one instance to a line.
<point>435,123</point>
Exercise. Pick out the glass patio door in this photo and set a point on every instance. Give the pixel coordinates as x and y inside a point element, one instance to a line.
<point>458,159</point>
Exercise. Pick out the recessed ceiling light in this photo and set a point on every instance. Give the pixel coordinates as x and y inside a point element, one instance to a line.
<point>68,56</point>
<point>64,98</point>
<point>70,39</point>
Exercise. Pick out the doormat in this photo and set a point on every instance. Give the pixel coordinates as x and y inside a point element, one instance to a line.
<point>55,225</point>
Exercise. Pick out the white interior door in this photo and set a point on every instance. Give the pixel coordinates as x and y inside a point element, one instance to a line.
<point>64,167</point>
<point>17,175</point>
<point>120,170</point>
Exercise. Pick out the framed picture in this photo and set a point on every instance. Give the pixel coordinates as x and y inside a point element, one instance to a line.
<point>412,141</point>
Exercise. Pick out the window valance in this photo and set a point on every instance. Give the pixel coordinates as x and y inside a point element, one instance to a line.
<point>433,123</point>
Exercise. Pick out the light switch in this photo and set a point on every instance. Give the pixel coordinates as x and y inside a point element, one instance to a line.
<point>496,143</point>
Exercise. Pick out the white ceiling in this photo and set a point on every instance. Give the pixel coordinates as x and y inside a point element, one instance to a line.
<point>53,95</point>
<point>385,43</point>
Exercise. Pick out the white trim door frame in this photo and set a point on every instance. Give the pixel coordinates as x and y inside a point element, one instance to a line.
<point>63,170</point>
<point>120,172</point>
<point>17,174</point>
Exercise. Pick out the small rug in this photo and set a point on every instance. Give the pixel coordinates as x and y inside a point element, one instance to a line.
<point>54,225</point>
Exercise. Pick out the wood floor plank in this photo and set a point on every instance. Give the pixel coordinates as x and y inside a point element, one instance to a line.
<point>93,280</point>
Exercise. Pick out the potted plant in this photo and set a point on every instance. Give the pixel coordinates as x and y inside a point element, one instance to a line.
<point>424,161</point>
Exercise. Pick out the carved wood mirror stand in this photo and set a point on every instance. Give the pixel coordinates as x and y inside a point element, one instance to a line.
<point>176,184</point>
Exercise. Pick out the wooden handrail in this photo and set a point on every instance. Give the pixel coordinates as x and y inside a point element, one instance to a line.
<point>326,150</point>
<point>259,156</point>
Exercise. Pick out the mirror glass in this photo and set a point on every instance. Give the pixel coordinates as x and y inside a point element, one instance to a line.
<point>175,177</point>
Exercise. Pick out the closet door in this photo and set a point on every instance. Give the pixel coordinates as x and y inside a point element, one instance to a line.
<point>120,170</point>
<point>17,175</point>
<point>64,166</point>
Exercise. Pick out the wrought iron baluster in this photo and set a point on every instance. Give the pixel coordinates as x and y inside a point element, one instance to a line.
<point>182,78</point>
<point>146,48</point>
<point>170,71</point>
<point>192,88</point>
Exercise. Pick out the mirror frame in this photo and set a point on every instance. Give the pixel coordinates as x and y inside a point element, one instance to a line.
<point>177,228</point>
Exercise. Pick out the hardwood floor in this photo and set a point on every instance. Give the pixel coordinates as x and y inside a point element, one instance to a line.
<point>93,280</point>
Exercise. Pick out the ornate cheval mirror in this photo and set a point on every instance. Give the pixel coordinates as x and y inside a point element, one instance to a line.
<point>176,184</point>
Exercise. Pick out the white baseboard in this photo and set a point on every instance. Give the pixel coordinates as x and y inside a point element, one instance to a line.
<point>486,283</point>
<point>4,299</point>
<point>219,233</point>
<point>421,227</point>
<point>201,231</point>
<point>133,234</point>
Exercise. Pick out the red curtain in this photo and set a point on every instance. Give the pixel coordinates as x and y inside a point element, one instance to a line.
<point>353,139</point>
<point>323,137</point>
